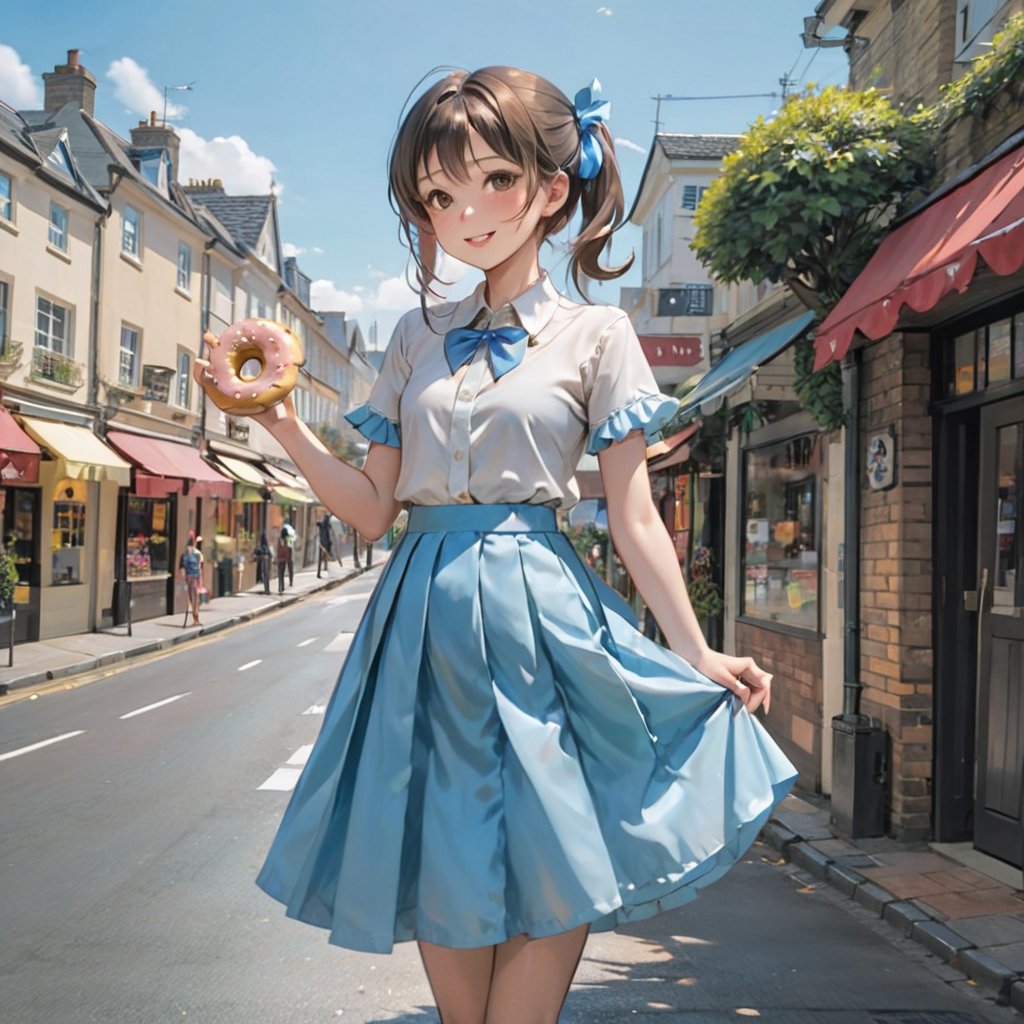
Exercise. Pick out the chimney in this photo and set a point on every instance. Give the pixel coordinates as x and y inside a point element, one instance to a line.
<point>69,83</point>
<point>152,134</point>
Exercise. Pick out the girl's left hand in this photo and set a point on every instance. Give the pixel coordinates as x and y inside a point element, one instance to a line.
<point>743,676</point>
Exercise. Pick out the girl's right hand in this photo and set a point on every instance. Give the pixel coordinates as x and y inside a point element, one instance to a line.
<point>269,418</point>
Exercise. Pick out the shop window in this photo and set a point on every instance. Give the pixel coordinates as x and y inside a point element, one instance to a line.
<point>985,357</point>
<point>67,539</point>
<point>779,564</point>
<point>147,545</point>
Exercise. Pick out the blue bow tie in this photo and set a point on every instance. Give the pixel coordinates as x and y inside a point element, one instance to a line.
<point>506,347</point>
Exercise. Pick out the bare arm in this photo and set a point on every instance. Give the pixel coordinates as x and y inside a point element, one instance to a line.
<point>363,498</point>
<point>647,552</point>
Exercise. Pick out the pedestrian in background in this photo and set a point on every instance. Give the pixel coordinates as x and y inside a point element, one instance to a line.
<point>289,536</point>
<point>325,551</point>
<point>191,566</point>
<point>285,564</point>
<point>264,556</point>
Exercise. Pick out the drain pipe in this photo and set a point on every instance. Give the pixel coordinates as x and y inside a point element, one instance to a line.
<point>852,685</point>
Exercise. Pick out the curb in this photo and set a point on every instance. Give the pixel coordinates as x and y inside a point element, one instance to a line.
<point>91,663</point>
<point>935,934</point>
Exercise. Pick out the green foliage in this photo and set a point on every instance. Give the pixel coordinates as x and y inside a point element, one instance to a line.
<point>584,538</point>
<point>999,68</point>
<point>8,580</point>
<point>805,196</point>
<point>821,393</point>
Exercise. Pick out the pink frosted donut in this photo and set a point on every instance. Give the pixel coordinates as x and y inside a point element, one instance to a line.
<point>231,380</point>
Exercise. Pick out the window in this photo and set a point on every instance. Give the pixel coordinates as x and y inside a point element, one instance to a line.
<point>59,160</point>
<point>147,551</point>
<point>690,300</point>
<point>6,198</point>
<point>68,532</point>
<point>184,267</point>
<point>128,367</point>
<point>130,232</point>
<point>58,227</point>
<point>984,357</point>
<point>692,195</point>
<point>258,308</point>
<point>183,394</point>
<point>781,542</point>
<point>52,327</point>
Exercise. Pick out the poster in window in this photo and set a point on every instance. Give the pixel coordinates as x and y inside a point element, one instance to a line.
<point>682,502</point>
<point>159,523</point>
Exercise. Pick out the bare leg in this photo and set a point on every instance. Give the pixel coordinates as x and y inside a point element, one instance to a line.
<point>532,977</point>
<point>460,980</point>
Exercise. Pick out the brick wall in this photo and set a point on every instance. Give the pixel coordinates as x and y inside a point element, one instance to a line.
<point>896,575</point>
<point>795,718</point>
<point>909,52</point>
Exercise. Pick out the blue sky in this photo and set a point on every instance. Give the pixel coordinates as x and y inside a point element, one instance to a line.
<point>309,94</point>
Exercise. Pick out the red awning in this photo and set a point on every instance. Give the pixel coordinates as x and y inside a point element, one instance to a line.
<point>932,254</point>
<point>673,450</point>
<point>172,461</point>
<point>19,454</point>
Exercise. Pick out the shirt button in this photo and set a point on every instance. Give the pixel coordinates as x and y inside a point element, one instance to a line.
<point>465,394</point>
<point>459,455</point>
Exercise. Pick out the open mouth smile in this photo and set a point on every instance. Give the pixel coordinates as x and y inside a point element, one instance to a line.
<point>478,240</point>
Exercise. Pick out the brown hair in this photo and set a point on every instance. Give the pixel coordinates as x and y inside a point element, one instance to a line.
<point>527,120</point>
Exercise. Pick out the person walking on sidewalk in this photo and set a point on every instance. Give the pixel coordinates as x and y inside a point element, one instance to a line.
<point>283,555</point>
<point>264,557</point>
<point>507,762</point>
<point>191,567</point>
<point>325,551</point>
<point>289,537</point>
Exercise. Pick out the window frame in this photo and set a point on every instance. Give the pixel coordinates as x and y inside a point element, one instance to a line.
<point>67,340</point>
<point>135,353</point>
<point>59,242</point>
<point>183,380</point>
<point>8,199</point>
<point>136,220</point>
<point>184,273</point>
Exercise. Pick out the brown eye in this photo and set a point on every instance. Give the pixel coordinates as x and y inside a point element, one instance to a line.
<point>502,181</point>
<point>438,200</point>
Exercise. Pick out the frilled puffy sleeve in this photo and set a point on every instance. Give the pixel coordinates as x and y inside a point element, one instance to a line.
<point>623,394</point>
<point>377,419</point>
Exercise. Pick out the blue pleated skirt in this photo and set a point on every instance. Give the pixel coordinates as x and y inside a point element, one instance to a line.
<point>505,753</point>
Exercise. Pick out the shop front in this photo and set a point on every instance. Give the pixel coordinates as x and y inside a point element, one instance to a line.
<point>19,504</point>
<point>942,408</point>
<point>68,525</point>
<point>170,483</point>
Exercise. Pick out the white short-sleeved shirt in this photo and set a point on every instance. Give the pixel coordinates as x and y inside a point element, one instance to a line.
<point>584,383</point>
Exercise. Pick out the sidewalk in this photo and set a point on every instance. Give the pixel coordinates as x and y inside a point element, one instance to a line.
<point>85,652</point>
<point>969,918</point>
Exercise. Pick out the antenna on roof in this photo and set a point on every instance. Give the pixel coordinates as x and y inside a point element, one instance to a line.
<point>174,88</point>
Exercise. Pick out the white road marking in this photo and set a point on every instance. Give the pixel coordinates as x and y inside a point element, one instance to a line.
<point>315,709</point>
<point>283,779</point>
<point>158,704</point>
<point>306,643</point>
<point>341,642</point>
<point>301,756</point>
<point>36,746</point>
<point>345,598</point>
<point>250,664</point>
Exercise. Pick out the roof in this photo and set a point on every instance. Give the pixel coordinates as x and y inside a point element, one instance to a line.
<point>14,134</point>
<point>697,147</point>
<point>243,216</point>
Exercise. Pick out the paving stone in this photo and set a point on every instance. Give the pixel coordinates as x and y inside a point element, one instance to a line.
<point>835,847</point>
<point>977,903</point>
<point>843,878</point>
<point>1011,954</point>
<point>993,930</point>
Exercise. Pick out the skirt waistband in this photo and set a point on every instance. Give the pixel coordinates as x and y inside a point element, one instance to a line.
<point>517,518</point>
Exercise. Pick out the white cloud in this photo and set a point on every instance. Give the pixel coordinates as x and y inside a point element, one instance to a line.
<point>629,144</point>
<point>317,251</point>
<point>327,296</point>
<point>605,10</point>
<point>18,86</point>
<point>231,159</point>
<point>291,250</point>
<point>134,88</point>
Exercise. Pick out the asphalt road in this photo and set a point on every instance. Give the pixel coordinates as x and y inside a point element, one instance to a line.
<point>129,845</point>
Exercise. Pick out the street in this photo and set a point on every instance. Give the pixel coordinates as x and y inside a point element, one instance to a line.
<point>129,846</point>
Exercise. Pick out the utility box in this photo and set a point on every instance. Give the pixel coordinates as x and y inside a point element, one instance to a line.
<point>860,770</point>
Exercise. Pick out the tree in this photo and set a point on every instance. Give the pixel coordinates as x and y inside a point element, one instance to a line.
<point>805,199</point>
<point>806,196</point>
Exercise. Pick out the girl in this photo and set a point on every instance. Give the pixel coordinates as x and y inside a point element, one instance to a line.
<point>506,762</point>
